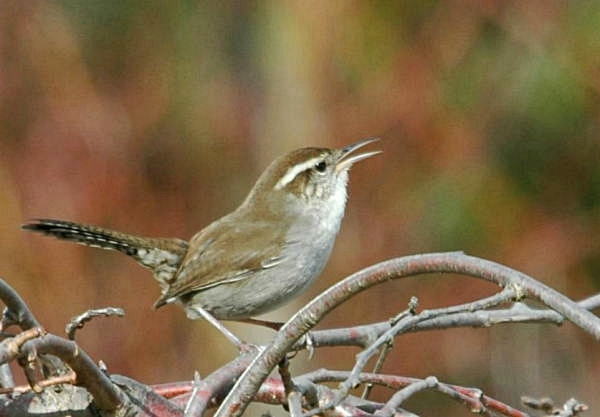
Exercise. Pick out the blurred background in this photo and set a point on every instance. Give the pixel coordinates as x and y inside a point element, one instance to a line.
<point>156,118</point>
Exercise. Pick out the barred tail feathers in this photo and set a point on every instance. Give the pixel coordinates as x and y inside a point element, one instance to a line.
<point>95,236</point>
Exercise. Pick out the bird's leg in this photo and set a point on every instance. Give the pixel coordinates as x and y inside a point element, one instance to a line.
<point>212,320</point>
<point>274,325</point>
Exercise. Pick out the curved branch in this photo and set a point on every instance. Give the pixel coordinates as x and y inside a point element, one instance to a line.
<point>17,311</point>
<point>398,382</point>
<point>80,320</point>
<point>147,400</point>
<point>590,303</point>
<point>216,385</point>
<point>406,323</point>
<point>272,391</point>
<point>399,397</point>
<point>107,396</point>
<point>362,335</point>
<point>250,381</point>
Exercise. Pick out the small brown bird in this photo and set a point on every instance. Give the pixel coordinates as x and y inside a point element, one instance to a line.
<point>254,259</point>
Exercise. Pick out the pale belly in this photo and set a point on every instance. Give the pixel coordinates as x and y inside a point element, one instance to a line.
<point>263,291</point>
<point>316,227</point>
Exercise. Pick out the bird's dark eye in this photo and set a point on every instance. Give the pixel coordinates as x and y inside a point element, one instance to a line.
<point>321,166</point>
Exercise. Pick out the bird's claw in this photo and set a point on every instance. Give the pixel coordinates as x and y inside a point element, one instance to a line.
<point>310,345</point>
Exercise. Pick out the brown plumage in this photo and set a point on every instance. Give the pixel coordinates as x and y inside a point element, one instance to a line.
<point>259,256</point>
<point>162,255</point>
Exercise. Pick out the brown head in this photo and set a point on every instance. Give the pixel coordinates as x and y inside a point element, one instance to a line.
<point>308,174</point>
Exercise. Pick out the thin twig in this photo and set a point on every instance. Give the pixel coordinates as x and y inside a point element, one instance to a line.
<point>293,395</point>
<point>454,262</point>
<point>363,357</point>
<point>69,378</point>
<point>148,402</point>
<point>196,382</point>
<point>571,408</point>
<point>272,391</point>
<point>294,402</point>
<point>473,398</point>
<point>590,303</point>
<point>17,311</point>
<point>364,335</point>
<point>386,349</point>
<point>286,377</point>
<point>106,395</point>
<point>10,348</point>
<point>216,385</point>
<point>399,397</point>
<point>79,321</point>
<point>6,376</point>
<point>173,389</point>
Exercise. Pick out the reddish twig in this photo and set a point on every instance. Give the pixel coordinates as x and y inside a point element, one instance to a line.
<point>479,400</point>
<point>272,391</point>
<point>69,378</point>
<point>173,389</point>
<point>11,348</point>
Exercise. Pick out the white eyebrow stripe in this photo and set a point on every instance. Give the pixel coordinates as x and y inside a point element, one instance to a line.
<point>293,172</point>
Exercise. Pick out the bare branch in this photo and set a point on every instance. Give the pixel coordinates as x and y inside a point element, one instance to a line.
<point>286,377</point>
<point>398,398</point>
<point>69,378</point>
<point>213,388</point>
<point>473,398</point>
<point>411,310</point>
<point>79,321</point>
<point>149,403</point>
<point>387,348</point>
<point>272,391</point>
<point>197,386</point>
<point>363,335</point>
<point>406,323</point>
<point>294,402</point>
<point>293,395</point>
<point>571,408</point>
<point>254,364</point>
<point>17,311</point>
<point>106,395</point>
<point>172,389</point>
<point>591,303</point>
<point>295,392</point>
<point>11,348</point>
<point>246,387</point>
<point>6,376</point>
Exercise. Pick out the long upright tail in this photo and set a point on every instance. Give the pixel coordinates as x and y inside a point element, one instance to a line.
<point>162,255</point>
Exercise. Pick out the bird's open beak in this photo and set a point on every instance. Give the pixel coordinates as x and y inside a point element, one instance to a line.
<point>345,161</point>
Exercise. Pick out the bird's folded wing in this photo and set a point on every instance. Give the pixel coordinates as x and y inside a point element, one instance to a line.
<point>231,255</point>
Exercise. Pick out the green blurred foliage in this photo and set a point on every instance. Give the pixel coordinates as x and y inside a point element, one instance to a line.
<point>156,118</point>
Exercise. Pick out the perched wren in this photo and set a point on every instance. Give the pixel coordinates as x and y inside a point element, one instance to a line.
<point>254,259</point>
